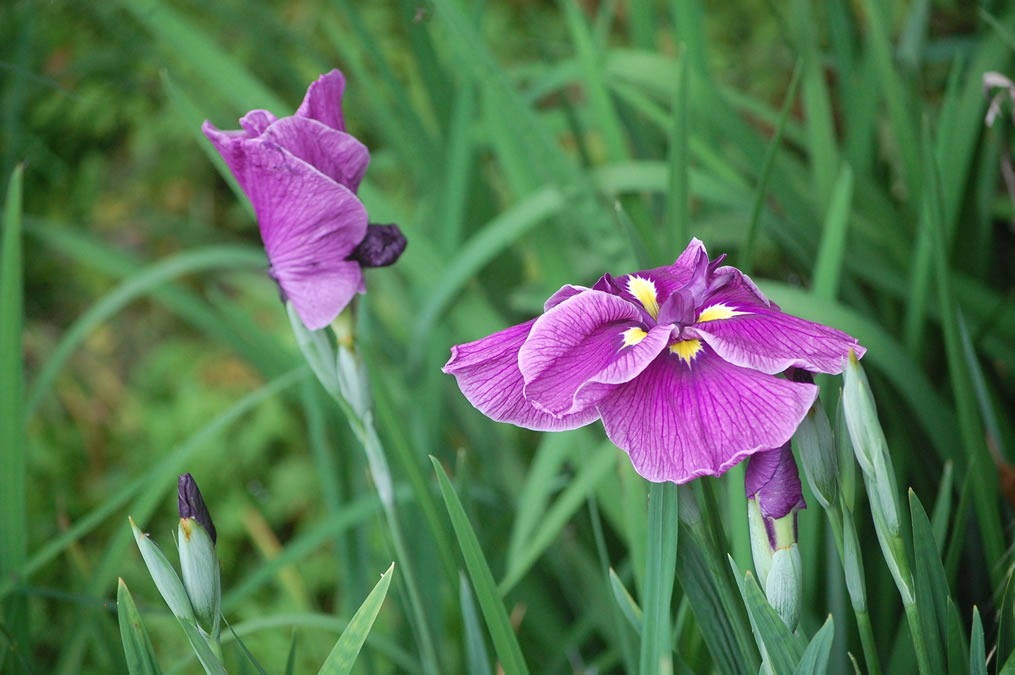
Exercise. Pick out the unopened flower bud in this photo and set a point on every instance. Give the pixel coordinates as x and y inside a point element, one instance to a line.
<point>190,504</point>
<point>774,496</point>
<point>198,561</point>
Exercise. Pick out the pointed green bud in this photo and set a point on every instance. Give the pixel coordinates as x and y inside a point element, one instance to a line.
<point>782,588</point>
<point>201,576</point>
<point>163,574</point>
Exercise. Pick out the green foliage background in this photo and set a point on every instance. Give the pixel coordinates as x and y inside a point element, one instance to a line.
<point>521,146</point>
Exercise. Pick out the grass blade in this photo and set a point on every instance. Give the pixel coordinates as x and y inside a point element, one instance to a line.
<point>747,254</point>
<point>931,585</point>
<point>201,53</point>
<point>628,607</point>
<point>977,649</point>
<point>832,250</point>
<point>815,657</point>
<point>678,197</point>
<point>781,649</point>
<point>980,463</point>
<point>475,645</point>
<point>497,622</point>
<point>137,647</point>
<point>593,471</point>
<point>13,476</point>
<point>345,651</point>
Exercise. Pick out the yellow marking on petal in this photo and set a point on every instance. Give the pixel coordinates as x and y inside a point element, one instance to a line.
<point>687,350</point>
<point>716,312</point>
<point>645,291</point>
<point>633,336</point>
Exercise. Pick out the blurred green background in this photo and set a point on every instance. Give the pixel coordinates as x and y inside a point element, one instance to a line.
<point>520,145</point>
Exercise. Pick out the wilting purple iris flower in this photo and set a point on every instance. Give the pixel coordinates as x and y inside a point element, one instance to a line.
<point>301,174</point>
<point>679,362</point>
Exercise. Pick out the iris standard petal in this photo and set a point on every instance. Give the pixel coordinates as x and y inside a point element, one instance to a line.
<point>323,101</point>
<point>744,328</point>
<point>651,288</point>
<point>488,375</point>
<point>591,338</point>
<point>230,145</point>
<point>309,224</point>
<point>566,291</point>
<point>679,420</point>
<point>256,121</point>
<point>334,153</point>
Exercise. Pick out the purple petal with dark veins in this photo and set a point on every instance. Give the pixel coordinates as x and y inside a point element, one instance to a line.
<point>334,153</point>
<point>773,480</point>
<point>256,121</point>
<point>566,291</point>
<point>679,421</point>
<point>488,375</point>
<point>763,337</point>
<point>323,100</point>
<point>581,342</point>
<point>309,224</point>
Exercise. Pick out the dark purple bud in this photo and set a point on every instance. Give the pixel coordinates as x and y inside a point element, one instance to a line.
<point>191,504</point>
<point>800,375</point>
<point>381,246</point>
<point>772,479</point>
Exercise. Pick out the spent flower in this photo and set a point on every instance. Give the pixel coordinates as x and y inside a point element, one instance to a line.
<point>680,362</point>
<point>301,174</point>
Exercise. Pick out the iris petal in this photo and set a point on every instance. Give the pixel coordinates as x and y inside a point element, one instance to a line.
<point>488,375</point>
<point>323,100</point>
<point>765,338</point>
<point>580,343</point>
<point>678,422</point>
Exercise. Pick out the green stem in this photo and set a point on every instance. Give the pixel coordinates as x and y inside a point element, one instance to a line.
<point>382,481</point>
<point>660,568</point>
<point>870,650</point>
<point>863,621</point>
<point>919,643</point>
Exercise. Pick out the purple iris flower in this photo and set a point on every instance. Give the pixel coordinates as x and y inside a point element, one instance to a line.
<point>679,362</point>
<point>301,174</point>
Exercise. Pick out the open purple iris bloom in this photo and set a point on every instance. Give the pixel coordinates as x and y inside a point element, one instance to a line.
<point>301,174</point>
<point>679,362</point>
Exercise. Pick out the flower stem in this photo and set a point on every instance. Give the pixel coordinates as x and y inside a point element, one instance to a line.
<point>857,595</point>
<point>660,568</point>
<point>382,481</point>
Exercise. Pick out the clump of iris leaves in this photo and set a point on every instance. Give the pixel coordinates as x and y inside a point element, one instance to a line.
<point>836,151</point>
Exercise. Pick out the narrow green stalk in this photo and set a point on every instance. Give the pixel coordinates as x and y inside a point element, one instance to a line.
<point>13,475</point>
<point>660,567</point>
<point>863,621</point>
<point>919,642</point>
<point>382,481</point>
<point>747,256</point>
